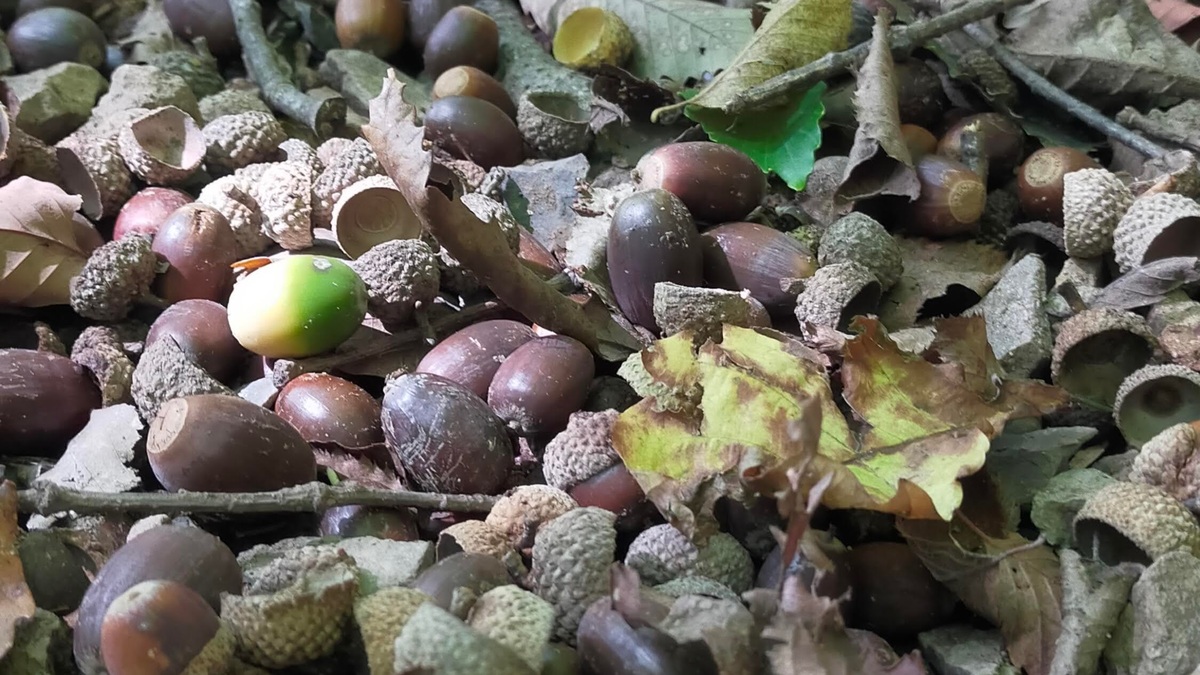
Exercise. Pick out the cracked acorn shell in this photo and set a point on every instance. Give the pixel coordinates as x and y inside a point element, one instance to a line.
<point>571,557</point>
<point>93,169</point>
<point>1156,397</point>
<point>1093,202</point>
<point>541,383</point>
<point>234,141</point>
<point>716,183</point>
<point>836,294</point>
<point>857,237</point>
<point>1096,350</point>
<point>166,628</point>
<point>1155,227</point>
<point>591,37</point>
<point>742,255</point>
<point>1171,461</point>
<point>370,212</point>
<point>163,146</point>
<point>1134,522</point>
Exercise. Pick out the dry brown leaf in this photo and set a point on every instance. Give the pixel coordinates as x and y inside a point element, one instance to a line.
<point>941,278</point>
<point>39,251</point>
<point>16,602</point>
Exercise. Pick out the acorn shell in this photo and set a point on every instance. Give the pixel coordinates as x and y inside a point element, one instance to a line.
<point>33,383</point>
<point>756,258</point>
<point>473,129</point>
<point>51,35</point>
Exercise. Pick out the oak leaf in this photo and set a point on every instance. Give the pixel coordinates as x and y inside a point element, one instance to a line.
<point>39,249</point>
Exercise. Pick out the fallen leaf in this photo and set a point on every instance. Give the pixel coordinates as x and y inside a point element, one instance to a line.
<point>39,253</point>
<point>941,278</point>
<point>96,459</point>
<point>1012,582</point>
<point>359,470</point>
<point>962,341</point>
<point>18,605</point>
<point>1149,284</point>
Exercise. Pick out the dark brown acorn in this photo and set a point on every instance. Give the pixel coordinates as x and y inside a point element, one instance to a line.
<point>894,595</point>
<point>473,129</point>
<point>616,490</point>
<point>919,140</point>
<point>609,645</point>
<point>1000,140</point>
<point>464,36</point>
<point>716,183</point>
<point>367,521</point>
<point>156,628</point>
<point>652,238</point>
<point>331,413</point>
<point>472,355</point>
<point>472,572</point>
<point>424,15</point>
<point>473,82</point>
<point>444,437</point>
<point>209,19</point>
<point>45,399</point>
<point>219,443</point>
<point>147,210</point>
<point>951,202</point>
<point>373,26</point>
<point>187,555</point>
<point>1040,181</point>
<point>199,248</point>
<point>45,37</point>
<point>201,328</point>
<point>758,259</point>
<point>540,384</point>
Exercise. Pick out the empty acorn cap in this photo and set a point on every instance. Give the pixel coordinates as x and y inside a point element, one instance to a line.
<point>93,169</point>
<point>1093,202</point>
<point>857,237</point>
<point>1134,522</point>
<point>371,212</point>
<point>1096,350</point>
<point>163,146</point>
<point>1154,398</point>
<point>1156,226</point>
<point>380,618</point>
<point>1171,461</point>
<point>836,294</point>
<point>592,37</point>
<point>554,124</point>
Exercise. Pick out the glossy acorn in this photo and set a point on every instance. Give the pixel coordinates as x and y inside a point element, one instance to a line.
<point>462,575</point>
<point>540,384</point>
<point>297,306</point>
<point>52,35</point>
<point>617,491</point>
<point>1040,181</point>
<point>374,26</point>
<point>951,202</point>
<point>201,329</point>
<point>756,258</point>
<point>147,210</point>
<point>464,36</point>
<point>474,129</point>
<point>472,355</point>
<point>158,628</point>
<point>198,246</point>
<point>45,399</point>
<point>330,412</point>
<point>424,15</point>
<point>473,82</point>
<point>716,183</point>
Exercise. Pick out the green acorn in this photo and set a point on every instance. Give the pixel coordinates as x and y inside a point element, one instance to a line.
<point>298,306</point>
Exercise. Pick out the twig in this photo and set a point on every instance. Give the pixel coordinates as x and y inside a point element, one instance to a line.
<point>1054,94</point>
<point>903,39</point>
<point>322,116</point>
<point>48,498</point>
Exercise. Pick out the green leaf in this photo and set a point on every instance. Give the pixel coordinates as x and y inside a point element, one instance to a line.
<point>782,139</point>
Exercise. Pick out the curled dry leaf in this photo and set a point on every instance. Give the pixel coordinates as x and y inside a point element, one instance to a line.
<point>18,605</point>
<point>1149,284</point>
<point>39,249</point>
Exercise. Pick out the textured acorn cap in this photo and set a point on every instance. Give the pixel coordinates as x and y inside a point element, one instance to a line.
<point>661,553</point>
<point>284,194</point>
<point>1097,349</point>
<point>580,451</point>
<point>859,238</point>
<point>163,146</point>
<point>520,513</point>
<point>380,618</point>
<point>164,372</point>
<point>1170,462</point>
<point>329,150</point>
<point>1156,226</point>
<point>571,557</point>
<point>370,212</point>
<point>435,641</point>
<point>115,276</point>
<point>1093,202</point>
<point>297,615</point>
<point>474,536</point>
<point>591,37</point>
<point>231,102</point>
<point>233,199</point>
<point>1134,522</point>
<point>553,124</point>
<point>298,150</point>
<point>1155,397</point>
<point>705,311</point>
<point>199,71</point>
<point>837,293</point>
<point>94,169</point>
<point>351,164</point>
<point>516,619</point>
<point>216,657</point>
<point>234,141</point>
<point>725,560</point>
<point>693,585</point>
<point>399,274</point>
<point>107,362</point>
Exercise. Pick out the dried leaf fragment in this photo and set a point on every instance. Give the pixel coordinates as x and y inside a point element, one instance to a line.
<point>18,605</point>
<point>39,251</point>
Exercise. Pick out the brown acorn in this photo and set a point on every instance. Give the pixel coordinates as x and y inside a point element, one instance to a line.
<point>199,248</point>
<point>219,443</point>
<point>424,15</point>
<point>374,26</point>
<point>717,183</point>
<point>330,412</point>
<point>159,628</point>
<point>368,521</point>
<point>919,140</point>
<point>951,202</point>
<point>45,37</point>
<point>616,490</point>
<point>758,259</point>
<point>201,329</point>
<point>471,81</point>
<point>464,36</point>
<point>45,399</point>
<point>473,129</point>
<point>471,356</point>
<point>147,210</point>
<point>537,257</point>
<point>471,455</point>
<point>446,581</point>
<point>653,238</point>
<point>1000,140</point>
<point>894,595</point>
<point>209,19</point>
<point>540,384</point>
<point>1040,181</point>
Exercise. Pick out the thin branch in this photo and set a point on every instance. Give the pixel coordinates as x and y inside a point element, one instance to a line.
<point>1054,94</point>
<point>903,39</point>
<point>48,498</point>
<point>322,116</point>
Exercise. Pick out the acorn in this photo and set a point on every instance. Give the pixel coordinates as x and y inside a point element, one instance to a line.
<point>330,412</point>
<point>219,443</point>
<point>45,37</point>
<point>147,210</point>
<point>951,202</point>
<point>473,82</point>
<point>608,643</point>
<point>198,246</point>
<point>1000,141</point>
<point>460,578</point>
<point>536,257</point>
<point>45,399</point>
<point>617,491</point>
<point>920,141</point>
<point>163,628</point>
<point>209,19</point>
<point>201,329</point>
<point>471,356</point>
<point>591,37</point>
<point>540,384</point>
<point>298,306</point>
<point>473,129</point>
<point>894,595</point>
<point>464,36</point>
<point>367,521</point>
<point>653,238</point>
<point>756,258</point>
<point>470,456</point>
<point>1040,181</point>
<point>424,15</point>
<point>374,26</point>
<point>717,183</point>
<point>187,555</point>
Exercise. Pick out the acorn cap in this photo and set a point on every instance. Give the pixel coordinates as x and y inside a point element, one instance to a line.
<point>553,123</point>
<point>113,279</point>
<point>399,274</point>
<point>165,372</point>
<point>474,536</point>
<point>661,553</point>
<point>299,150</point>
<point>380,618</point>
<point>859,238</point>
<point>837,293</point>
<point>198,70</point>
<point>1156,226</point>
<point>692,585</point>
<point>1096,350</point>
<point>351,164</point>
<point>580,451</point>
<point>230,196</point>
<point>216,657</point>
<point>705,310</point>
<point>435,641</point>
<point>487,209</point>
<point>163,146</point>
<point>329,150</point>
<point>109,364</point>
<point>520,513</point>
<point>571,557</point>
<point>516,619</point>
<point>231,102</point>
<point>1093,202</point>
<point>591,37</point>
<point>370,212</point>
<point>94,169</point>
<point>1134,522</point>
<point>1154,398</point>
<point>724,559</point>
<point>234,141</point>
<point>297,611</point>
<point>1170,462</point>
<point>285,196</point>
